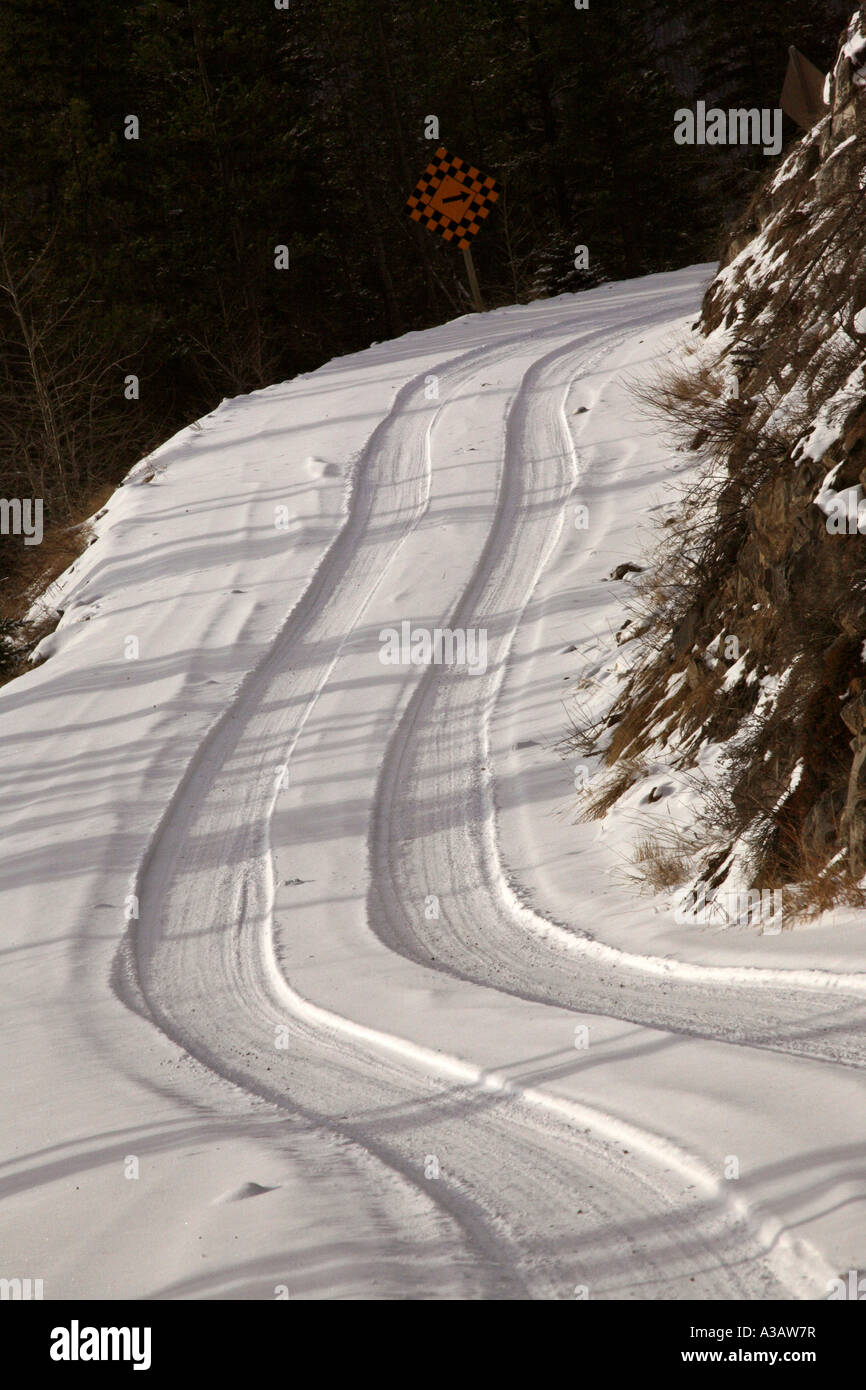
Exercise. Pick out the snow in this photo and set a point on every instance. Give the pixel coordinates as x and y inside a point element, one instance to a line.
<point>735,673</point>
<point>854,50</point>
<point>312,937</point>
<point>829,423</point>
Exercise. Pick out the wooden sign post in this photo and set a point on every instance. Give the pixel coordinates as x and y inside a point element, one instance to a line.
<point>473,279</point>
<point>453,198</point>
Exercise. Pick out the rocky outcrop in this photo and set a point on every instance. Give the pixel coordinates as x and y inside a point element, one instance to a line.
<point>777,560</point>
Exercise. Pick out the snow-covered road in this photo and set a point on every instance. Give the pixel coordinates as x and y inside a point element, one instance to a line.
<point>380,1024</point>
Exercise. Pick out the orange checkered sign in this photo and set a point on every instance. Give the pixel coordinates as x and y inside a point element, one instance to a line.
<point>452,198</point>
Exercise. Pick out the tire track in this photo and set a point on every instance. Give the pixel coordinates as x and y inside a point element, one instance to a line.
<point>486,934</point>
<point>207,970</point>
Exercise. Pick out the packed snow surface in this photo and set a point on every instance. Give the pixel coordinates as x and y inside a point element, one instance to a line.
<point>313,987</point>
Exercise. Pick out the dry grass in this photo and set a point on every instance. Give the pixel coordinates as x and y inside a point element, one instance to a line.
<point>822,885</point>
<point>595,802</point>
<point>664,861</point>
<point>34,568</point>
